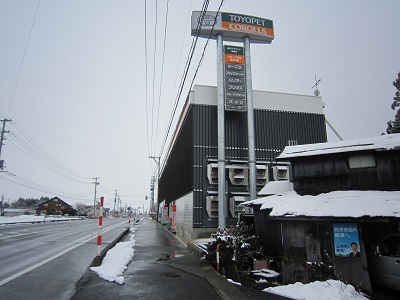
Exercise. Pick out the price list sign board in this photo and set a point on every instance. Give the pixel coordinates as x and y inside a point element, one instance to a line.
<point>235,79</point>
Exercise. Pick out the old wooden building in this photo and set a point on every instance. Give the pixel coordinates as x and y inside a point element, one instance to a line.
<point>341,193</point>
<point>55,206</point>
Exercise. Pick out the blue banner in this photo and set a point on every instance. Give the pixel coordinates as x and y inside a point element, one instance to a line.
<point>345,237</point>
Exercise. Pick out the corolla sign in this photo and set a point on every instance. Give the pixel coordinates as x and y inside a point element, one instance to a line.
<point>232,26</point>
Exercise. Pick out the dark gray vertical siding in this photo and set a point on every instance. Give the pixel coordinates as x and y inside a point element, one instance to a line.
<point>199,139</point>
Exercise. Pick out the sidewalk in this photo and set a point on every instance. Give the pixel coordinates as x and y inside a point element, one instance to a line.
<point>163,268</point>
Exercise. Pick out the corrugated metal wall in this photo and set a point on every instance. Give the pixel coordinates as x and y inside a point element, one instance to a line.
<point>273,131</point>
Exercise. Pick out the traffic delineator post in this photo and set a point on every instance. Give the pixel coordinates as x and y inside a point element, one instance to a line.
<point>99,235</point>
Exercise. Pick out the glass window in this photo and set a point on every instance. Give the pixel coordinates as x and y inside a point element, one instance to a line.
<point>357,161</point>
<point>390,246</point>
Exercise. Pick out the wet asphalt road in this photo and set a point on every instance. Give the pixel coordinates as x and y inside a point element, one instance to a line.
<point>147,277</point>
<point>162,268</point>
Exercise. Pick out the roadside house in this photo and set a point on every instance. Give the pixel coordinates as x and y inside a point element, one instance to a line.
<point>55,206</point>
<point>343,192</point>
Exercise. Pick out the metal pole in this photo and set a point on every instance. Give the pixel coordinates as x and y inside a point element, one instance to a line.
<point>250,122</point>
<point>333,129</point>
<point>222,205</point>
<point>95,192</point>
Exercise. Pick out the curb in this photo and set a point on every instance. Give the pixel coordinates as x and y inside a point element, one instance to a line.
<point>196,250</point>
<point>98,259</point>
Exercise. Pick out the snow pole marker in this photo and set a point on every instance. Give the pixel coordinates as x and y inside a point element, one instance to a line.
<point>218,246</point>
<point>99,235</point>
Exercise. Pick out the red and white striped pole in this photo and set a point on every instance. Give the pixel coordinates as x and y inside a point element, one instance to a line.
<point>100,226</point>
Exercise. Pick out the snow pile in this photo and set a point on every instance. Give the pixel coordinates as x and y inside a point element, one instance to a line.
<point>353,204</point>
<point>328,290</point>
<point>116,260</point>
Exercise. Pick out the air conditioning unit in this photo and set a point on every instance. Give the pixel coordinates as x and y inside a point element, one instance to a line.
<point>280,173</point>
<point>233,204</point>
<point>212,206</point>
<point>262,175</point>
<point>212,173</point>
<point>239,175</point>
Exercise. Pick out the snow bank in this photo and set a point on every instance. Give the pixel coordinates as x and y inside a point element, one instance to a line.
<point>328,290</point>
<point>116,260</point>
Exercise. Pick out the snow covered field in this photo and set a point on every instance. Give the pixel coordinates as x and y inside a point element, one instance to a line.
<point>30,218</point>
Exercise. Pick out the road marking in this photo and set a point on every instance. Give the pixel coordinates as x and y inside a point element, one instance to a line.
<point>80,242</point>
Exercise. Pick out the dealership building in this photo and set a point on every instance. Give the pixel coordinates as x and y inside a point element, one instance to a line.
<point>188,184</point>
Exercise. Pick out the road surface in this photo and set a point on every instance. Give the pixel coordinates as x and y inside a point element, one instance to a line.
<point>46,260</point>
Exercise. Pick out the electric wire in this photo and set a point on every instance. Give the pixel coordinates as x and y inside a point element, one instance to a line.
<point>162,73</point>
<point>23,59</point>
<point>39,160</point>
<point>46,190</point>
<point>154,76</point>
<point>29,147</point>
<point>186,70</point>
<point>45,154</point>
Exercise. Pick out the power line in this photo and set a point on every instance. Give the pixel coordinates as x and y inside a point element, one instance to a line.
<point>23,58</point>
<point>154,76</point>
<point>42,157</point>
<point>185,73</point>
<point>162,72</point>
<point>30,185</point>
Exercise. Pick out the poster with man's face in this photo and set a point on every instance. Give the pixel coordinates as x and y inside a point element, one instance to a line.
<point>346,241</point>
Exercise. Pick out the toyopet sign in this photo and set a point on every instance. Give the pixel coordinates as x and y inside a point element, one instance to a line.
<point>234,27</point>
<point>235,78</point>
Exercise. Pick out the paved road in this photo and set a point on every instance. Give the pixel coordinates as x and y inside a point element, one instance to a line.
<point>45,261</point>
<point>163,269</point>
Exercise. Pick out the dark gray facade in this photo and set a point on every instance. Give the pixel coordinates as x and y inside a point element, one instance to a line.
<point>314,175</point>
<point>195,147</point>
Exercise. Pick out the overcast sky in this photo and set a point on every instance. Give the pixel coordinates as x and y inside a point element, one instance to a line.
<point>81,91</point>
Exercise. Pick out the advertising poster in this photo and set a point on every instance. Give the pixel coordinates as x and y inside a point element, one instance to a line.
<point>346,241</point>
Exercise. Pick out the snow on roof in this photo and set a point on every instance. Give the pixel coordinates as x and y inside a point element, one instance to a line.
<point>348,204</point>
<point>276,187</point>
<point>384,142</point>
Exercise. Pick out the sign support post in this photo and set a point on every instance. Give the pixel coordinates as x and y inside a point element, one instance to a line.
<point>250,122</point>
<point>222,205</point>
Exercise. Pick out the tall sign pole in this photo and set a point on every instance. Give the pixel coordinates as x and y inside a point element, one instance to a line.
<point>222,203</point>
<point>250,122</point>
<point>237,88</point>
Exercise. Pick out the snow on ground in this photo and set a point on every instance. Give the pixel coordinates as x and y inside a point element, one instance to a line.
<point>327,290</point>
<point>30,218</point>
<point>116,260</point>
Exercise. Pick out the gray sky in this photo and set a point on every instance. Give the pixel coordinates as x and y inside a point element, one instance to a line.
<point>81,93</point>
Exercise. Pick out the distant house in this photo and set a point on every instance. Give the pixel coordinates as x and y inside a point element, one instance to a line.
<point>338,193</point>
<point>55,206</point>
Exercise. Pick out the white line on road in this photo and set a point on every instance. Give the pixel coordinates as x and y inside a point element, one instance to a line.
<point>87,239</point>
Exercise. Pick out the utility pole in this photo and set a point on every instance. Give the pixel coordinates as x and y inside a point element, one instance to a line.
<point>2,139</point>
<point>96,183</point>
<point>152,195</point>
<point>2,201</point>
<point>115,200</point>
<point>157,160</point>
